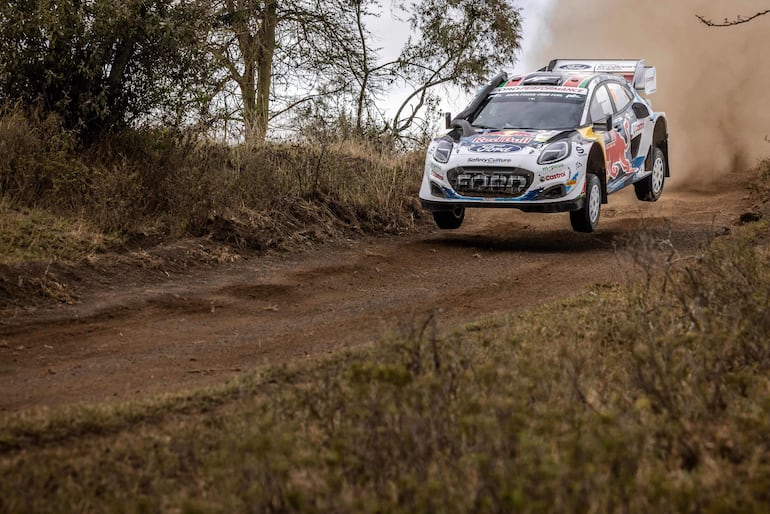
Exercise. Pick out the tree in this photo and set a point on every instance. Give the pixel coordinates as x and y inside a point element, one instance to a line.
<point>729,23</point>
<point>295,46</point>
<point>102,64</point>
<point>460,42</point>
<point>457,42</point>
<point>319,55</point>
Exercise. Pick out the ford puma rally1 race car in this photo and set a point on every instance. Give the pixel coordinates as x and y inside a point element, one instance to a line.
<point>560,139</point>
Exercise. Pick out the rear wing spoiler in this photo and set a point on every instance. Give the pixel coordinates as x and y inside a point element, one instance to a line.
<point>643,78</point>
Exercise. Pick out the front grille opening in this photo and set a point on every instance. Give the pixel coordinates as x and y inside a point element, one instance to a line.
<point>553,192</point>
<point>490,182</point>
<point>437,190</point>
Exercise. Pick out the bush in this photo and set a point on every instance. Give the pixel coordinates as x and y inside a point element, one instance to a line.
<point>177,183</point>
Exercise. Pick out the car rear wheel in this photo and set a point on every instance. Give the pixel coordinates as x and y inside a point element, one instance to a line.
<point>649,188</point>
<point>449,220</point>
<point>586,219</point>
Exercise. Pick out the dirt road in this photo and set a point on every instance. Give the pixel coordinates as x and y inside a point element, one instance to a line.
<point>127,340</point>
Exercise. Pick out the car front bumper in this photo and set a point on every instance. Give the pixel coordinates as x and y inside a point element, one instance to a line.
<point>562,206</point>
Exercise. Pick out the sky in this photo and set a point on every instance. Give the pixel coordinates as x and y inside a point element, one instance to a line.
<point>391,34</point>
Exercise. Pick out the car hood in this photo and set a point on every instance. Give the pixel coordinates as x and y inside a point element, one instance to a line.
<point>508,141</point>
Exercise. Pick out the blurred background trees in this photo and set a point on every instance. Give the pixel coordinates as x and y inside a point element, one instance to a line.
<point>103,65</point>
<point>245,68</point>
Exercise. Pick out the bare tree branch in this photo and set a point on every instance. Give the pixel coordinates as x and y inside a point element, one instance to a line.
<point>730,23</point>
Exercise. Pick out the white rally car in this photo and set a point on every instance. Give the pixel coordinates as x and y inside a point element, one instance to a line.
<point>560,139</point>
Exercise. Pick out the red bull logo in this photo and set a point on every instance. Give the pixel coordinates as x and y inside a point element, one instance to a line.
<point>618,152</point>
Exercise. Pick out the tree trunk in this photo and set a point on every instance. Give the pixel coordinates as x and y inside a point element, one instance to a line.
<point>264,68</point>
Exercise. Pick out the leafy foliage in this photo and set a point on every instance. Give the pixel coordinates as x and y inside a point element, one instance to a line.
<point>101,64</point>
<point>459,41</point>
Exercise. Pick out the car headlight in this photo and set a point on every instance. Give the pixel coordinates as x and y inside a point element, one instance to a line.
<point>443,151</point>
<point>554,152</point>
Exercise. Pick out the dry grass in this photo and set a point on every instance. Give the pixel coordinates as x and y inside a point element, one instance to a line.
<point>168,185</point>
<point>30,234</point>
<point>647,398</point>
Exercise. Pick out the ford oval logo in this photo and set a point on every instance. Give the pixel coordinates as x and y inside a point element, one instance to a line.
<point>495,148</point>
<point>575,67</point>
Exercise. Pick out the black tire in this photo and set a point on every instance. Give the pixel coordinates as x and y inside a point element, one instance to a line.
<point>586,219</point>
<point>449,220</point>
<point>649,188</point>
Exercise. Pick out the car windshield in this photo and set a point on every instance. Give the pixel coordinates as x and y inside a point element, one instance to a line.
<point>530,108</point>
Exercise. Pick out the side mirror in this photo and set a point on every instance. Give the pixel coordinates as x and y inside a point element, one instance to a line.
<point>465,128</point>
<point>604,125</point>
<point>448,120</point>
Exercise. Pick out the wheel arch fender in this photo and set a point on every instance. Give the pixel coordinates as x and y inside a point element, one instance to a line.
<point>596,164</point>
<point>659,140</point>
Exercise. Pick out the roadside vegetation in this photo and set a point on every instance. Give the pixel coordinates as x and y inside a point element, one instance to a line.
<point>61,201</point>
<point>646,397</point>
<point>250,125</point>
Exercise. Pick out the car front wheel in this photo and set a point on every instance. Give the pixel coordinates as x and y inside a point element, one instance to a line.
<point>586,219</point>
<point>449,220</point>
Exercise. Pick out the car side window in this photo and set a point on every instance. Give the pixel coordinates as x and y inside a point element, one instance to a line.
<point>620,95</point>
<point>601,105</point>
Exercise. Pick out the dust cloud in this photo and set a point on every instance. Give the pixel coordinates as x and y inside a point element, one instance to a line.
<point>713,83</point>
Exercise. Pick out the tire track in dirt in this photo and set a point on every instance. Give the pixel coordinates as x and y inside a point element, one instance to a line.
<point>191,331</point>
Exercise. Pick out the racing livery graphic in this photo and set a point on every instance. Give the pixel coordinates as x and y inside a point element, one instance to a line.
<point>557,140</point>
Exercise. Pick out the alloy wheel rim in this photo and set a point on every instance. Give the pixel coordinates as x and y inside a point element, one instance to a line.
<point>594,203</point>
<point>657,175</point>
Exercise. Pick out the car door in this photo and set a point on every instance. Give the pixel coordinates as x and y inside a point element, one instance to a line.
<point>631,123</point>
<point>616,142</point>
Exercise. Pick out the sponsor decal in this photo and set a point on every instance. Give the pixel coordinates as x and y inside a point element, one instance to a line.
<point>618,151</point>
<point>616,68</point>
<point>571,183</point>
<point>495,148</point>
<point>489,160</point>
<point>437,175</point>
<point>575,67</point>
<point>544,89</point>
<point>553,167</point>
<point>497,183</point>
<point>578,165</point>
<point>637,127</point>
<point>580,150</point>
<point>503,139</point>
<point>555,176</point>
